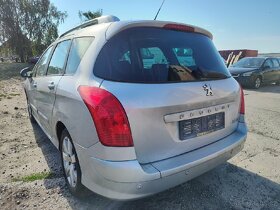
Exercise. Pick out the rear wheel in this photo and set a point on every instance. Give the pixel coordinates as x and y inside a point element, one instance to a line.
<point>257,83</point>
<point>70,165</point>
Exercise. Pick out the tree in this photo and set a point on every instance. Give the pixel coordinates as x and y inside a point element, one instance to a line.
<point>29,26</point>
<point>84,16</point>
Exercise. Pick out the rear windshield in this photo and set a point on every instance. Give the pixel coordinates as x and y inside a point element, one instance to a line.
<point>153,55</point>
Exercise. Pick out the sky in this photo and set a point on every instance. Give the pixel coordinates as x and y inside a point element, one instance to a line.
<point>238,24</point>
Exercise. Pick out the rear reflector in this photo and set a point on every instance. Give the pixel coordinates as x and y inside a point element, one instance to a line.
<point>178,27</point>
<point>242,101</point>
<point>109,117</point>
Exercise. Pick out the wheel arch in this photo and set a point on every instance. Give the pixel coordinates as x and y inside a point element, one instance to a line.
<point>59,128</point>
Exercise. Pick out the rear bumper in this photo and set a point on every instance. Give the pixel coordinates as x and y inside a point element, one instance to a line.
<point>125,180</point>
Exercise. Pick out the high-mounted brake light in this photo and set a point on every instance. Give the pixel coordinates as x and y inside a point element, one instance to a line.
<point>109,117</point>
<point>242,103</point>
<point>179,27</point>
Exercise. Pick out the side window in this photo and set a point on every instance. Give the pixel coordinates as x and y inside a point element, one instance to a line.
<point>151,56</point>
<point>41,66</point>
<point>184,56</point>
<point>78,49</point>
<point>275,63</point>
<point>268,63</point>
<point>58,58</point>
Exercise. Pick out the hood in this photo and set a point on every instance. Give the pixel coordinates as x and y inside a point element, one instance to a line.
<point>240,70</point>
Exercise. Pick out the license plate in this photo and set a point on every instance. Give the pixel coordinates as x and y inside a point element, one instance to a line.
<point>201,125</point>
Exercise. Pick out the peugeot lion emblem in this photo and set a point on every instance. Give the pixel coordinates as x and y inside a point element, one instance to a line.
<point>208,90</point>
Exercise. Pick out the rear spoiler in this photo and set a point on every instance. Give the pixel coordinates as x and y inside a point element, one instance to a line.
<point>122,25</point>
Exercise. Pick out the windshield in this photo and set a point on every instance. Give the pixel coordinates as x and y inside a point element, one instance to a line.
<point>156,55</point>
<point>249,63</point>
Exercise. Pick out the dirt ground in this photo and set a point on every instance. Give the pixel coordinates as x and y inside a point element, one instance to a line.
<point>251,180</point>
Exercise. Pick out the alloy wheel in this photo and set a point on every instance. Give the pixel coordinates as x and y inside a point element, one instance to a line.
<point>257,83</point>
<point>69,161</point>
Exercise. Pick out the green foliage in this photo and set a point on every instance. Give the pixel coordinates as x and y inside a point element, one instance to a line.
<point>35,176</point>
<point>84,16</point>
<point>29,26</point>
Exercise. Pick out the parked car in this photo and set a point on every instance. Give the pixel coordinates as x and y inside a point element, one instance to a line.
<point>126,129</point>
<point>255,71</point>
<point>33,60</point>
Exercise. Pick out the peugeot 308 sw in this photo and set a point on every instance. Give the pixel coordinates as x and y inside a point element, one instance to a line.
<point>135,107</point>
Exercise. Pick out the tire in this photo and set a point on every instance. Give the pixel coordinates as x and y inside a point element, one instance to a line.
<point>257,83</point>
<point>70,165</point>
<point>30,115</point>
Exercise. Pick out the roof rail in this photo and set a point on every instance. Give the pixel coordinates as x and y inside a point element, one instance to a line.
<point>95,21</point>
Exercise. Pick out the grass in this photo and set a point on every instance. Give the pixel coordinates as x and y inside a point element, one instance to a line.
<point>8,96</point>
<point>35,176</point>
<point>11,70</point>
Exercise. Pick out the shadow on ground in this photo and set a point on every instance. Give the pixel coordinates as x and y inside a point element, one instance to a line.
<point>226,187</point>
<point>273,88</point>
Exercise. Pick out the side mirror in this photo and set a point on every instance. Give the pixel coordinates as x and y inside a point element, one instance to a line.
<point>26,72</point>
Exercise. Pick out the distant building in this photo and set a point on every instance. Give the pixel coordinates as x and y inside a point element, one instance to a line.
<point>232,56</point>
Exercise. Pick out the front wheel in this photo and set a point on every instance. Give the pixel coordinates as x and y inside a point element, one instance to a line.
<point>70,165</point>
<point>257,83</point>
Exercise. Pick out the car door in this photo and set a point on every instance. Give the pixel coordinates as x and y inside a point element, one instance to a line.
<point>46,86</point>
<point>38,71</point>
<point>276,70</point>
<point>268,71</point>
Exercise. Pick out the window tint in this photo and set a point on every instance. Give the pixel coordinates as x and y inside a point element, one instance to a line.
<point>58,58</point>
<point>153,55</point>
<point>41,65</point>
<point>78,48</point>
<point>126,57</point>
<point>184,56</point>
<point>275,63</point>
<point>268,63</point>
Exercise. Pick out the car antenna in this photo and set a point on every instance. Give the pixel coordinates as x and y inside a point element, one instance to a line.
<point>159,9</point>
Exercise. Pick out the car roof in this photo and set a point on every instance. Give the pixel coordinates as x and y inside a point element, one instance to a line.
<point>110,25</point>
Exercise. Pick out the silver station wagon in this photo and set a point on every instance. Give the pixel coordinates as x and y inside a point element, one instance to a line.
<point>135,107</point>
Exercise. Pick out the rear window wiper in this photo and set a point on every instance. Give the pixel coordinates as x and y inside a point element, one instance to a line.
<point>215,75</point>
<point>206,74</point>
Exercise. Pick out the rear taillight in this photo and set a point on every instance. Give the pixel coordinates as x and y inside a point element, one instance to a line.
<point>242,102</point>
<point>109,117</point>
<point>178,27</point>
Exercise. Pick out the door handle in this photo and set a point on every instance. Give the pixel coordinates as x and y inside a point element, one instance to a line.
<point>34,85</point>
<point>51,85</point>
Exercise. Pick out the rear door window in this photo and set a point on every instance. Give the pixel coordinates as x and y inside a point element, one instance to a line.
<point>154,55</point>
<point>77,51</point>
<point>57,62</point>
